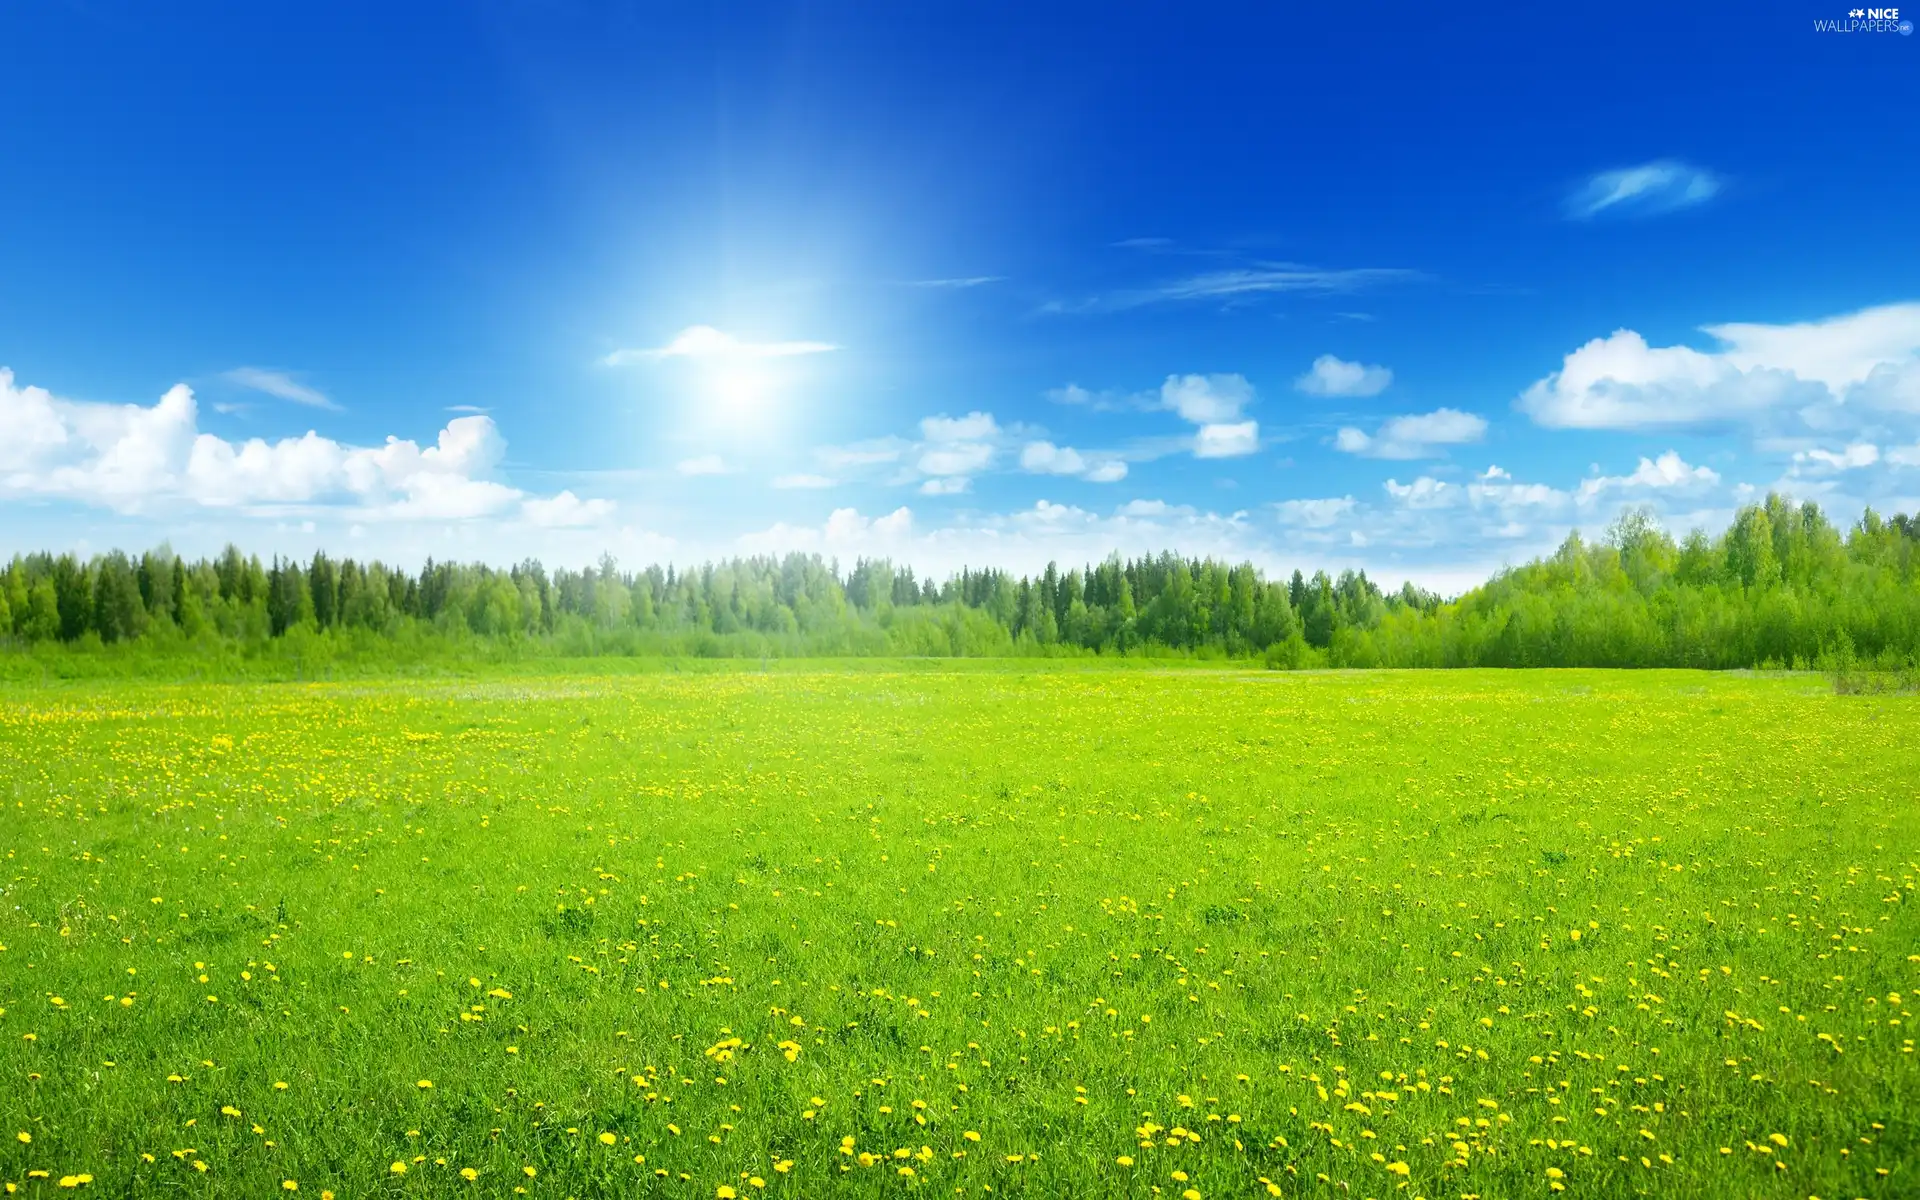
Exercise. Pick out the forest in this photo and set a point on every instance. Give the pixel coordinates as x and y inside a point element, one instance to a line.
<point>1782,586</point>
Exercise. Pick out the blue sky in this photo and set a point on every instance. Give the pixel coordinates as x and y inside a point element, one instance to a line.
<point>1399,289</point>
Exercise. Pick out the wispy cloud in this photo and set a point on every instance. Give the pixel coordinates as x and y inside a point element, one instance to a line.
<point>704,341</point>
<point>869,453</point>
<point>705,464</point>
<point>803,481</point>
<point>1241,283</point>
<point>467,408</point>
<point>965,281</point>
<point>281,385</point>
<point>1078,397</point>
<point>1642,191</point>
<point>1314,514</point>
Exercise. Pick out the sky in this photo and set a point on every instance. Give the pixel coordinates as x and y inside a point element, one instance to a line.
<point>1394,288</point>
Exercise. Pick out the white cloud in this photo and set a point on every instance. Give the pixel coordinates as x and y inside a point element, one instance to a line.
<point>1860,454</point>
<point>1331,376</point>
<point>1045,458</point>
<point>1416,436</point>
<point>704,341</point>
<point>1645,190</point>
<point>467,408</point>
<point>1871,357</point>
<point>1315,514</point>
<point>803,481</point>
<point>1668,472</point>
<point>565,510</point>
<point>1237,283</point>
<point>1424,492</point>
<point>281,385</point>
<point>845,533</point>
<point>951,485</point>
<point>1105,401</point>
<point>960,282</point>
<point>970,428</point>
<point>957,458</point>
<point>955,446</point>
<point>1206,399</point>
<point>1904,456</point>
<point>135,459</point>
<point>1227,441</point>
<point>1495,472</point>
<point>1501,492</point>
<point>705,464</point>
<point>864,454</point>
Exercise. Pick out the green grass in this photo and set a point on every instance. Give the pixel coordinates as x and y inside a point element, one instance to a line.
<point>1317,930</point>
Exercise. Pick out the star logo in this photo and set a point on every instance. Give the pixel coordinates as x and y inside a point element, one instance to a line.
<point>1857,13</point>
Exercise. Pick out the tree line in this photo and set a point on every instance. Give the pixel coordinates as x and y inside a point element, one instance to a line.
<point>1780,586</point>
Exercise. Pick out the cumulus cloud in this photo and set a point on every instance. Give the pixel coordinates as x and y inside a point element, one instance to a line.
<point>281,385</point>
<point>1860,454</point>
<point>1642,191</point>
<point>1669,472</point>
<point>1231,440</point>
<point>1424,492</point>
<point>955,447</point>
<point>1418,436</point>
<point>1045,458</point>
<point>704,341</point>
<point>1870,358</point>
<point>950,485</point>
<point>957,458</point>
<point>565,511</point>
<point>133,458</point>
<point>846,532</point>
<point>1331,376</point>
<point>1206,399</point>
<point>1213,402</point>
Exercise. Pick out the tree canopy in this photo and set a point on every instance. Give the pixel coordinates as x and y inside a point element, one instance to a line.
<point>1781,585</point>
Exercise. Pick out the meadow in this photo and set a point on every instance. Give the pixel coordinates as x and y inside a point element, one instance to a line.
<point>971,930</point>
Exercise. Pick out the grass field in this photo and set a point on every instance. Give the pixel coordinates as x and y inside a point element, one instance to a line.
<point>997,930</point>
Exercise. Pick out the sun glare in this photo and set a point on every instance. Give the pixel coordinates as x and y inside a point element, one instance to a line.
<point>739,389</point>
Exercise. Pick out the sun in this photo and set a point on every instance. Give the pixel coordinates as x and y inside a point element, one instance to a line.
<point>738,390</point>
